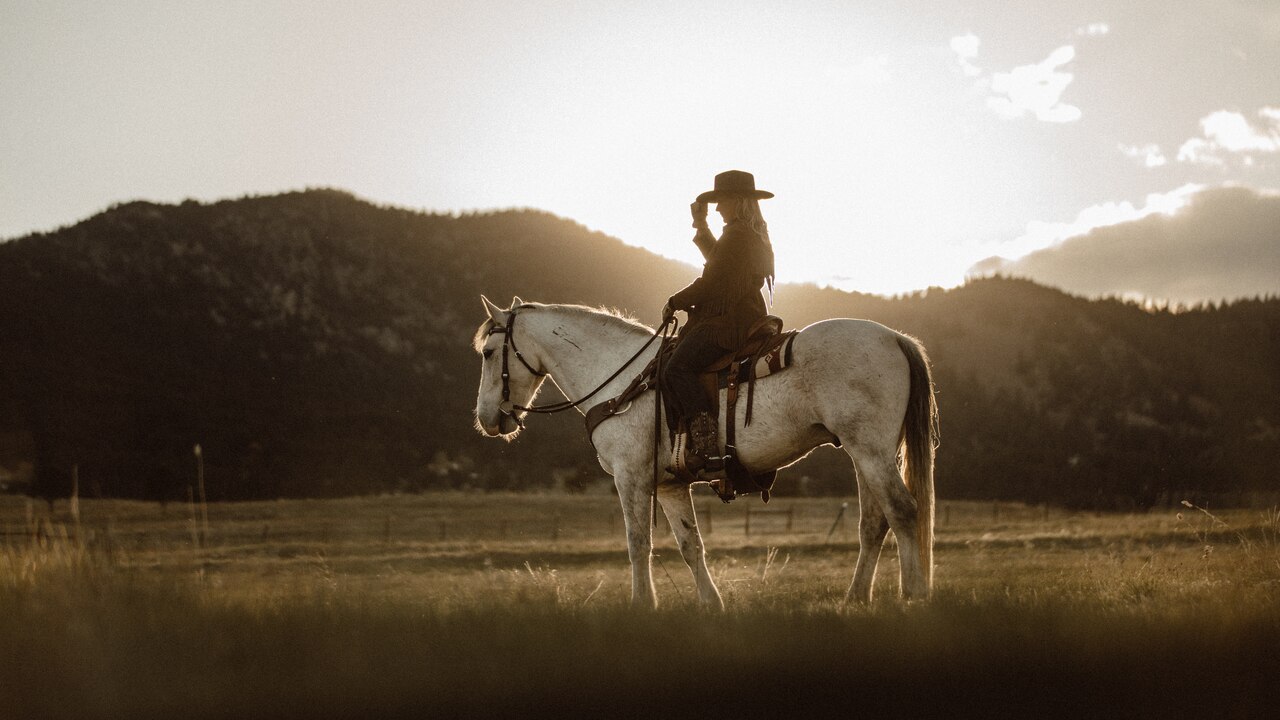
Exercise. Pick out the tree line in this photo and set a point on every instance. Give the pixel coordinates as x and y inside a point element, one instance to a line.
<point>318,345</point>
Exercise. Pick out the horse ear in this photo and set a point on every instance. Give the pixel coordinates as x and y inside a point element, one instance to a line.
<point>516,302</point>
<point>496,313</point>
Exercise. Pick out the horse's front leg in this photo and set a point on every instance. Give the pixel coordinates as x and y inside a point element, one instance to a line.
<point>678,505</point>
<point>635,493</point>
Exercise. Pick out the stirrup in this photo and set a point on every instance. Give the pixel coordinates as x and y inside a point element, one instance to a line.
<point>692,466</point>
<point>724,489</point>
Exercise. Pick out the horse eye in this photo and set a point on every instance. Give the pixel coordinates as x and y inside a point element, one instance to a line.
<point>487,353</point>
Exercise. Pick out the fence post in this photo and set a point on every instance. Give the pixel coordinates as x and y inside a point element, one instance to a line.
<point>839,516</point>
<point>790,517</point>
<point>746,524</point>
<point>109,538</point>
<point>204,499</point>
<point>191,513</point>
<point>75,497</point>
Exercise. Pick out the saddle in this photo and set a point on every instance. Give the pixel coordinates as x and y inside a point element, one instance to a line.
<point>766,351</point>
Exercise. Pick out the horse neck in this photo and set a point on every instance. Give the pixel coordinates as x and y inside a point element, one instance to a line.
<point>579,350</point>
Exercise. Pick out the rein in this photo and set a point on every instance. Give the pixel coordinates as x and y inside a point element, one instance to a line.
<point>509,408</point>
<point>669,327</point>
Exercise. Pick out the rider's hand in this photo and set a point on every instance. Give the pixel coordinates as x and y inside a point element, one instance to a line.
<point>699,212</point>
<point>668,312</point>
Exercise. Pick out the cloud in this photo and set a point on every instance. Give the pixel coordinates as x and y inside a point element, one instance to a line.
<point>1219,243</point>
<point>1199,151</point>
<point>1096,29</point>
<point>966,49</point>
<point>1040,235</point>
<point>1226,133</point>
<point>1035,89</point>
<point>1150,154</point>
<point>1027,89</point>
<point>1230,130</point>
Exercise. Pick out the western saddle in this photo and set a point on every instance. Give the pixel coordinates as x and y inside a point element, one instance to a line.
<point>766,351</point>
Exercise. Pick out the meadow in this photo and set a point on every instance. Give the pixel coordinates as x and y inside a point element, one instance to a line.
<point>481,605</point>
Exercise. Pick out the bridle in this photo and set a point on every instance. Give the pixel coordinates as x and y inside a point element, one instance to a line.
<point>510,409</point>
<point>669,327</point>
<point>507,407</point>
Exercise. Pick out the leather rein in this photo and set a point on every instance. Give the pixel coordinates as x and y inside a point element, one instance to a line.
<point>509,408</point>
<point>669,327</point>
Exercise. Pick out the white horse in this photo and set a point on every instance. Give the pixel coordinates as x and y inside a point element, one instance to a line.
<point>853,382</point>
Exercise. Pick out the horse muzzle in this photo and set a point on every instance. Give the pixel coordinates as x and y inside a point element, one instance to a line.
<point>504,422</point>
<point>509,419</point>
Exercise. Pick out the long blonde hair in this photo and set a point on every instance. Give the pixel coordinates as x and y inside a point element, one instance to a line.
<point>748,212</point>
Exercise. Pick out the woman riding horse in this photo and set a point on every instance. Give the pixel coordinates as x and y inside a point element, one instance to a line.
<point>723,304</point>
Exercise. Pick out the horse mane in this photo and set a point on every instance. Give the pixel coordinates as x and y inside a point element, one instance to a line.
<point>608,317</point>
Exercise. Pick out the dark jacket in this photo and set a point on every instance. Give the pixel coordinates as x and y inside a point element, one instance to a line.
<point>727,297</point>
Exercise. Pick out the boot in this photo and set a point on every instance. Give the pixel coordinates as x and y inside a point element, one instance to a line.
<point>679,456</point>
<point>704,445</point>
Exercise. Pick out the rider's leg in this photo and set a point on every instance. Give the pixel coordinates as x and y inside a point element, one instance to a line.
<point>696,350</point>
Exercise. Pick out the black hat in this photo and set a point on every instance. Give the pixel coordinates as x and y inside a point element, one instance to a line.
<point>734,183</point>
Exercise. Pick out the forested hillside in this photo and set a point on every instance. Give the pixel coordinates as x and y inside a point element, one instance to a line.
<point>317,345</point>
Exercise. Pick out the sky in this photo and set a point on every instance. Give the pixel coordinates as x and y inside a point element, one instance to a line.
<point>908,143</point>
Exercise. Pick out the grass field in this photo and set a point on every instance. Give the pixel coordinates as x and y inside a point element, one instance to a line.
<point>503,605</point>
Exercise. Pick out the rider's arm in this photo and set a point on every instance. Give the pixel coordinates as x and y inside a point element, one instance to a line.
<point>705,241</point>
<point>703,238</point>
<point>726,270</point>
<point>690,296</point>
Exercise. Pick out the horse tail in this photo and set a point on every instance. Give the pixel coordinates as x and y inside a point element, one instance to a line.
<point>917,443</point>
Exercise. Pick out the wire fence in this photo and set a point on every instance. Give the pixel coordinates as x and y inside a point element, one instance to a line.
<point>506,519</point>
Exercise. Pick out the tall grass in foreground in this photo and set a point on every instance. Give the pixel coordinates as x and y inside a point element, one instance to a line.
<point>1133,628</point>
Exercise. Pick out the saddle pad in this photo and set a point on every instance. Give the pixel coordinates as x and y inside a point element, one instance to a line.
<point>775,359</point>
<point>776,356</point>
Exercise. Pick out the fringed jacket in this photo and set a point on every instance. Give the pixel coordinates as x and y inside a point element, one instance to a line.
<point>727,297</point>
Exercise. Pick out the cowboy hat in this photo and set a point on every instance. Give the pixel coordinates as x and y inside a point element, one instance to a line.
<point>734,183</point>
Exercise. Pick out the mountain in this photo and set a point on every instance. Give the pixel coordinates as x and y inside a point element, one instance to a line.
<point>1220,244</point>
<point>315,344</point>
<point>1100,403</point>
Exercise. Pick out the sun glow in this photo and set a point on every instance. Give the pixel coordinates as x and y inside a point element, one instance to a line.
<point>903,146</point>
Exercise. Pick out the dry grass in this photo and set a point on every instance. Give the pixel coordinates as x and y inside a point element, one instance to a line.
<point>369,608</point>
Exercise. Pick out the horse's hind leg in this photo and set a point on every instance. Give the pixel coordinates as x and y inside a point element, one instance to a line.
<point>678,505</point>
<point>873,526</point>
<point>878,472</point>
<point>634,491</point>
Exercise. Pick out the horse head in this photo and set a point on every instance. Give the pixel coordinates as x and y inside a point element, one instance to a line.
<point>499,397</point>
